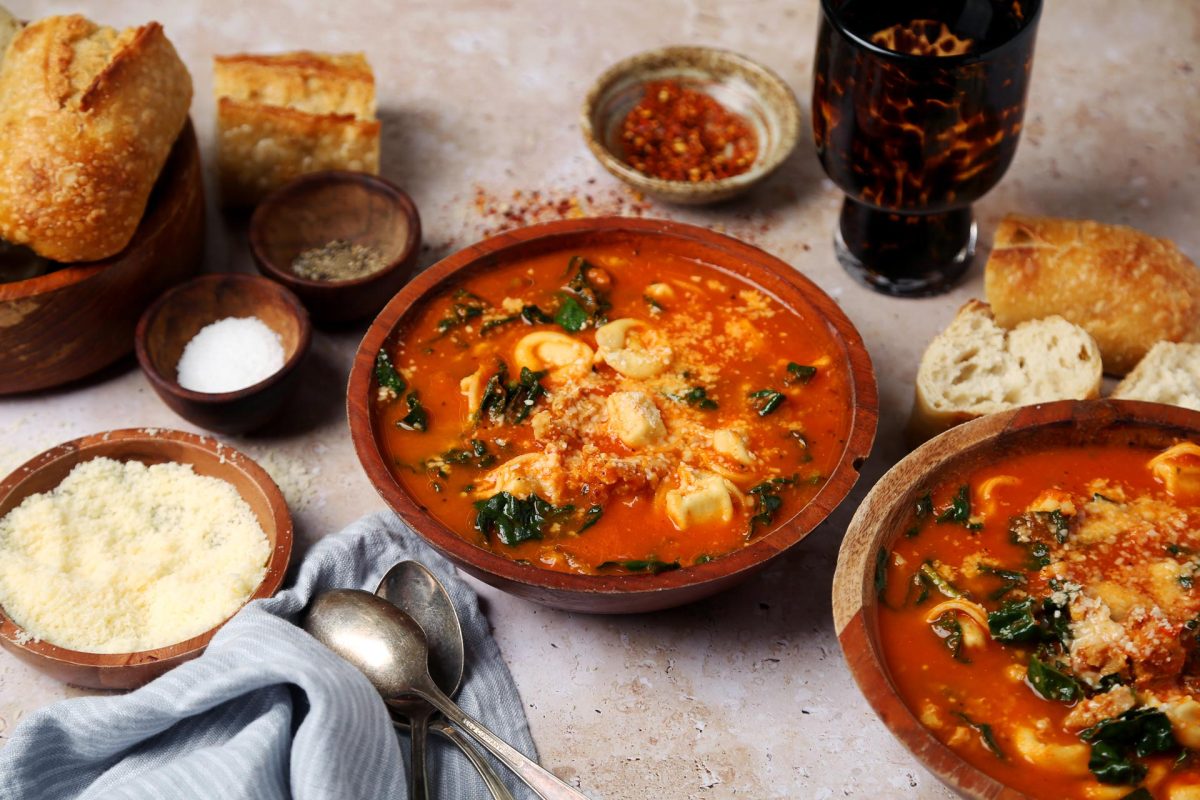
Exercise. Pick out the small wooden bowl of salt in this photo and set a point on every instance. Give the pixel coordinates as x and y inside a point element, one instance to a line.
<point>344,242</point>
<point>223,350</point>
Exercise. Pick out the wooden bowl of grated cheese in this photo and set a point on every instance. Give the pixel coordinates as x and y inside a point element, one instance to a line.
<point>100,478</point>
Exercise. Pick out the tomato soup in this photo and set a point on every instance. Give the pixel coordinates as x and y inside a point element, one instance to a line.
<point>611,411</point>
<point>1039,616</point>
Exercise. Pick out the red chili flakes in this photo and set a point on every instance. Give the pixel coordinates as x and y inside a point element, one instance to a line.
<point>681,134</point>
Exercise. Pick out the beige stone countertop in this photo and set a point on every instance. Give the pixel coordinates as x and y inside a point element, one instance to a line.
<point>745,694</point>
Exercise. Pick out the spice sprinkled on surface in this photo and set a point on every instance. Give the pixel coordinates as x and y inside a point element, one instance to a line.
<point>679,134</point>
<point>338,260</point>
<point>230,354</point>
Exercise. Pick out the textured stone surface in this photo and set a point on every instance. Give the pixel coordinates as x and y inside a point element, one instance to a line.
<point>744,695</point>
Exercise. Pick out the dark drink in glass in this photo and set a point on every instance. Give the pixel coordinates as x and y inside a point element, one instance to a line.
<point>917,109</point>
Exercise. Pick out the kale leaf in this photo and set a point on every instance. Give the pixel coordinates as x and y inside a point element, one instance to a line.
<point>949,630</point>
<point>516,519</point>
<point>1014,622</point>
<point>798,373</point>
<point>1052,683</point>
<point>959,510</point>
<point>417,419</point>
<point>571,315</point>
<point>1116,741</point>
<point>985,734</point>
<point>767,495</point>
<point>388,376</point>
<point>650,565</point>
<point>766,400</point>
<point>466,307</point>
<point>696,396</point>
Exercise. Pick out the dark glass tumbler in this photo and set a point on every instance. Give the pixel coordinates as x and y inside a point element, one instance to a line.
<point>917,109</point>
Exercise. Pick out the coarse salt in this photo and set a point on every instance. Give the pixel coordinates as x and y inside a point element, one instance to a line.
<point>230,354</point>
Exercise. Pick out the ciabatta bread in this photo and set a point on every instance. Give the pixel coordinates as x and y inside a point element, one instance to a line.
<point>8,29</point>
<point>1124,287</point>
<point>88,116</point>
<point>975,367</point>
<point>280,116</point>
<point>1170,373</point>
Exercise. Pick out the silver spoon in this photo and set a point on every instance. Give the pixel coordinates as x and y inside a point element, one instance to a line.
<point>453,735</point>
<point>411,587</point>
<point>389,648</point>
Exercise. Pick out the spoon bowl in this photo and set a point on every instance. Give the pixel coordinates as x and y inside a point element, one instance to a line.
<point>387,646</point>
<point>411,587</point>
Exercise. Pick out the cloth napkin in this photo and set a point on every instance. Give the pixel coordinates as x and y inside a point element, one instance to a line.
<point>267,711</point>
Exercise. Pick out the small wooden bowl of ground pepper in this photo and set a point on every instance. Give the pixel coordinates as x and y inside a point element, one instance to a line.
<point>344,242</point>
<point>690,125</point>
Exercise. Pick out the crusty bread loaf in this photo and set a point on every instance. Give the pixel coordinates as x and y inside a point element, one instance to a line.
<point>975,367</point>
<point>1126,288</point>
<point>281,116</point>
<point>8,29</point>
<point>88,117</point>
<point>1170,373</point>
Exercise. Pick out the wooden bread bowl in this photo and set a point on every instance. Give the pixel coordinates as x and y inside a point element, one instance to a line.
<point>62,326</point>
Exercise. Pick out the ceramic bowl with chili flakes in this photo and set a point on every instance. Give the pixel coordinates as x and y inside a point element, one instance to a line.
<point>690,125</point>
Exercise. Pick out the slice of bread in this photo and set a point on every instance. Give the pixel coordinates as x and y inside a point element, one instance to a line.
<point>975,367</point>
<point>281,116</point>
<point>1170,373</point>
<point>8,29</point>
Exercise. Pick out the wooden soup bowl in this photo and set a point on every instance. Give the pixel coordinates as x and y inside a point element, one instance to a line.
<point>887,510</point>
<point>62,326</point>
<point>617,593</point>
<point>207,456</point>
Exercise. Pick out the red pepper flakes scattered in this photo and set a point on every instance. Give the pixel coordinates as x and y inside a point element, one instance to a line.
<point>528,207</point>
<point>681,134</point>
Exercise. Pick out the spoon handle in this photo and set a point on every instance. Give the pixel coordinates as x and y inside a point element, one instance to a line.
<point>536,777</point>
<point>418,781</point>
<point>490,778</point>
<point>451,734</point>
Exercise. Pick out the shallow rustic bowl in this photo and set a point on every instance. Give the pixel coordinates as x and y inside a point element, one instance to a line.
<point>173,319</point>
<point>619,593</point>
<point>741,85</point>
<point>207,457</point>
<point>61,326</point>
<point>321,207</point>
<point>886,511</point>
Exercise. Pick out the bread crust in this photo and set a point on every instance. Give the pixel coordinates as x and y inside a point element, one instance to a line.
<point>1126,288</point>
<point>88,117</point>
<point>281,116</point>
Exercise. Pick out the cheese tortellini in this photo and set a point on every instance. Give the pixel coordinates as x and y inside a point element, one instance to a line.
<point>700,497</point>
<point>632,348</point>
<point>525,475</point>
<point>551,350</point>
<point>634,419</point>
<point>1178,468</point>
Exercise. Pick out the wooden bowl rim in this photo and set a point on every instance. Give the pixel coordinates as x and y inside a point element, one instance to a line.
<point>859,437</point>
<point>155,217</point>
<point>764,163</point>
<point>171,385</point>
<point>281,198</point>
<point>853,596</point>
<point>234,460</point>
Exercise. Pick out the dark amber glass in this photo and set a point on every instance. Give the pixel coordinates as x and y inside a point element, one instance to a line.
<point>917,109</point>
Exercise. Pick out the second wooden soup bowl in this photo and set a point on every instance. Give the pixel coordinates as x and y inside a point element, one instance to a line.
<point>618,593</point>
<point>886,513</point>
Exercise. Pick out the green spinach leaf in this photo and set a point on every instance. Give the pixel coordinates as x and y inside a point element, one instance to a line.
<point>571,315</point>
<point>1014,622</point>
<point>696,396</point>
<point>985,734</point>
<point>652,565</point>
<point>949,630</point>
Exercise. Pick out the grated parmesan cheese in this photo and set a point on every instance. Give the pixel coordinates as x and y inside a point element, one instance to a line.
<point>122,557</point>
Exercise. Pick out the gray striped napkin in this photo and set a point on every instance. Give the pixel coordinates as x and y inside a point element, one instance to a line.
<point>267,712</point>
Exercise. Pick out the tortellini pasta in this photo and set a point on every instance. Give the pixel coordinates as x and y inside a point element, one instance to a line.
<point>1178,468</point>
<point>525,475</point>
<point>632,348</point>
<point>634,419</point>
<point>551,350</point>
<point>700,497</point>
